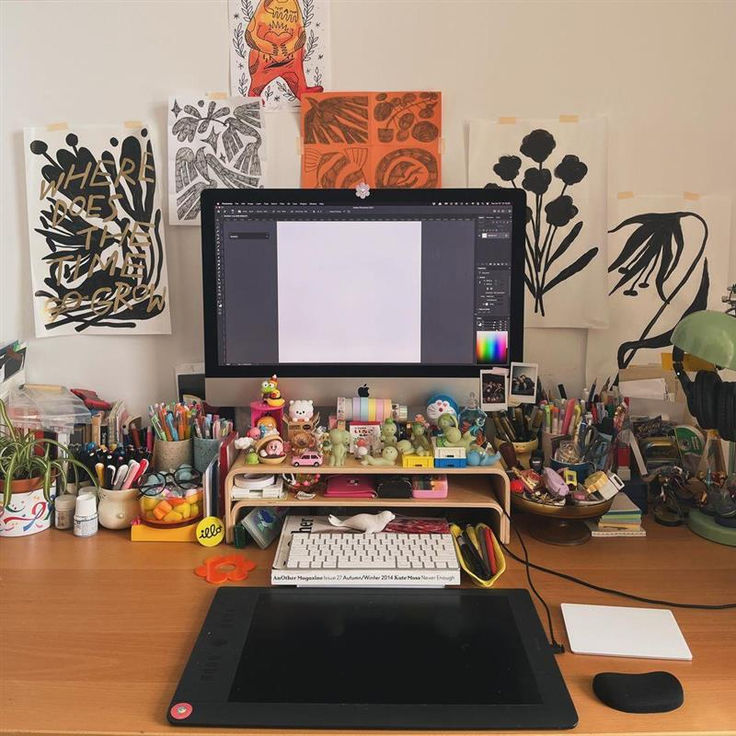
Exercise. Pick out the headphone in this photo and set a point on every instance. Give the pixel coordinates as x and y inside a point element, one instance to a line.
<point>709,399</point>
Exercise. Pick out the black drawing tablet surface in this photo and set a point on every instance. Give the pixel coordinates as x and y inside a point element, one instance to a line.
<point>362,658</point>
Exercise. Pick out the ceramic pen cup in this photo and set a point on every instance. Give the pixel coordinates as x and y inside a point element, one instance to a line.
<point>118,509</point>
<point>204,451</point>
<point>169,455</point>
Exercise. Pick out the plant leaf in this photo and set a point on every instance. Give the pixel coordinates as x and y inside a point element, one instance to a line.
<point>572,269</point>
<point>627,350</point>
<point>566,242</point>
<point>664,265</point>
<point>632,244</point>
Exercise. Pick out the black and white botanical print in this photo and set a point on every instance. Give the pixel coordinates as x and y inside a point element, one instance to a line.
<point>213,144</point>
<point>669,257</point>
<point>278,50</point>
<point>561,167</point>
<point>98,261</point>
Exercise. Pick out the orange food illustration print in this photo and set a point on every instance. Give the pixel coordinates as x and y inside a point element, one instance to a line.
<point>401,132</point>
<point>278,49</point>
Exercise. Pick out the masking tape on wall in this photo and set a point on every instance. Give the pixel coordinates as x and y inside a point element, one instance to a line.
<point>133,124</point>
<point>507,121</point>
<point>569,118</point>
<point>625,195</point>
<point>217,95</point>
<point>691,196</point>
<point>57,126</point>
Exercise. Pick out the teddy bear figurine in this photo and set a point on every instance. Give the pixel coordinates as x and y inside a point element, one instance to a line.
<point>301,410</point>
<point>339,441</point>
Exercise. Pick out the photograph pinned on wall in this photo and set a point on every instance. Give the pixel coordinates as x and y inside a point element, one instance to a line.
<point>494,388</point>
<point>96,235</point>
<point>215,142</point>
<point>669,256</point>
<point>387,140</point>
<point>523,383</point>
<point>279,50</point>
<point>562,165</point>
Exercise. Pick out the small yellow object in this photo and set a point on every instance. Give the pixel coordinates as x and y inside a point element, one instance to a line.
<point>595,481</point>
<point>173,516</point>
<point>210,531</point>
<point>148,503</point>
<point>417,461</point>
<point>194,510</point>
<point>184,509</point>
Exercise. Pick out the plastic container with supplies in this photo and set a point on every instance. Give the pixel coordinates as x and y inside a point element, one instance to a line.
<point>474,534</point>
<point>50,408</point>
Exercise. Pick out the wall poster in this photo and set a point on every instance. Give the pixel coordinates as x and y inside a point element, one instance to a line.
<point>98,261</point>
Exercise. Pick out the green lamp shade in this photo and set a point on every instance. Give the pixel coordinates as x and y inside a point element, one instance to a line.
<point>708,335</point>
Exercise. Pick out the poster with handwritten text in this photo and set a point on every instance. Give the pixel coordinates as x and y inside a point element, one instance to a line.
<point>98,261</point>
<point>278,50</point>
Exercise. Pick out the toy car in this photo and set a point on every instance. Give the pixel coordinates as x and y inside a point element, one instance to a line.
<point>311,457</point>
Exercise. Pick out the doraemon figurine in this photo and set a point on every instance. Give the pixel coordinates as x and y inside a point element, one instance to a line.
<point>440,404</point>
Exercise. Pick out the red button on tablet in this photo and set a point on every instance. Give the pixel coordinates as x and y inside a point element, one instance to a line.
<point>180,711</point>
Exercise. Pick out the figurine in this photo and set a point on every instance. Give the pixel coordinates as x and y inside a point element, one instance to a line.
<point>473,419</point>
<point>247,444</point>
<point>301,441</point>
<point>388,457</point>
<point>361,448</point>
<point>451,435</point>
<point>339,441</point>
<point>419,437</point>
<point>366,523</point>
<point>270,392</point>
<point>440,404</point>
<point>482,457</point>
<point>389,430</point>
<point>266,425</point>
<point>405,447</point>
<point>301,410</point>
<point>270,449</point>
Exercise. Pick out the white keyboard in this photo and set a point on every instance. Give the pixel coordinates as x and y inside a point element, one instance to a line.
<point>382,551</point>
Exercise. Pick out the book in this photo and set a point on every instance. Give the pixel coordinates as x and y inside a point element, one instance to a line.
<point>597,531</point>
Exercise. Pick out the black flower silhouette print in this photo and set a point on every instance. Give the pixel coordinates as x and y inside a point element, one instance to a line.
<point>652,254</point>
<point>552,209</point>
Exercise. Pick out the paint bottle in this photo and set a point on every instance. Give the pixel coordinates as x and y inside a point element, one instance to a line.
<point>64,511</point>
<point>85,515</point>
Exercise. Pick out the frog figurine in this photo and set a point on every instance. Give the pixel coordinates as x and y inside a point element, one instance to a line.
<point>388,457</point>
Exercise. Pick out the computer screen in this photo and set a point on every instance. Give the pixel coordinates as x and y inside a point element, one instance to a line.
<point>307,281</point>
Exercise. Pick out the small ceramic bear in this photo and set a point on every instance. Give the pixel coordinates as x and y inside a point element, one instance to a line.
<point>301,410</point>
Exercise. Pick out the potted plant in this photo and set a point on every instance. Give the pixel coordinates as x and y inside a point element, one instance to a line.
<point>29,468</point>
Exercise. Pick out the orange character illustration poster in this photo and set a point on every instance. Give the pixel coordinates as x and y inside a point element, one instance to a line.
<point>278,49</point>
<point>385,139</point>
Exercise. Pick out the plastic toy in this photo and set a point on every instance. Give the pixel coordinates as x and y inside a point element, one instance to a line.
<point>301,410</point>
<point>301,441</point>
<point>270,449</point>
<point>440,404</point>
<point>270,392</point>
<point>554,483</point>
<point>361,448</point>
<point>389,430</point>
<point>217,570</point>
<point>419,438</point>
<point>473,420</point>
<point>481,457</point>
<point>266,424</point>
<point>339,442</point>
<point>405,447</point>
<point>417,461</point>
<point>389,454</point>
<point>309,458</point>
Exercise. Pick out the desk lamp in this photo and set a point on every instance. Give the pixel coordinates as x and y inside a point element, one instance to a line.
<point>712,337</point>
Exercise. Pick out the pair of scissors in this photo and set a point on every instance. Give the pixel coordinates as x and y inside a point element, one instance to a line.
<point>593,446</point>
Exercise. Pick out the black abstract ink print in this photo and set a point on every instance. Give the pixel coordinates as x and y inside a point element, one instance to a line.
<point>651,255</point>
<point>102,227</point>
<point>541,251</point>
<point>222,149</point>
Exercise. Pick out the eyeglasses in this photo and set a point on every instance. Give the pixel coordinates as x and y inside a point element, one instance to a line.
<point>184,478</point>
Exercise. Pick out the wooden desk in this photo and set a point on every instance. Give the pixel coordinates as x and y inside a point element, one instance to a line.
<point>95,632</point>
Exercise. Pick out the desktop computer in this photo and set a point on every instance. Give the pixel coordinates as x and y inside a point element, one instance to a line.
<point>411,292</point>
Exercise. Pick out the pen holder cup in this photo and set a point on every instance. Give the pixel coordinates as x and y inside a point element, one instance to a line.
<point>204,451</point>
<point>456,531</point>
<point>524,451</point>
<point>118,509</point>
<point>169,455</point>
<point>172,509</point>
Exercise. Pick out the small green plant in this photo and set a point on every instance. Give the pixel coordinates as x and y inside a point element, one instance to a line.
<point>24,456</point>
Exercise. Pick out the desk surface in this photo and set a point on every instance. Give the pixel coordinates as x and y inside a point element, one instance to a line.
<point>96,631</point>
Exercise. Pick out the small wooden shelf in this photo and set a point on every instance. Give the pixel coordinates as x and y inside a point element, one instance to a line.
<point>475,487</point>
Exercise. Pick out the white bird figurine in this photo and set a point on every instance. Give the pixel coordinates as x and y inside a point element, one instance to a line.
<point>366,523</point>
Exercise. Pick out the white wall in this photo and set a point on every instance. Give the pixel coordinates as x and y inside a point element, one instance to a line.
<point>661,71</point>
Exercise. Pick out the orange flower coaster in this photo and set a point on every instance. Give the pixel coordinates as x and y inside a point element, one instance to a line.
<point>218,570</point>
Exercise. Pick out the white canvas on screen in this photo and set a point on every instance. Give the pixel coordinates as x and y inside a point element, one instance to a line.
<point>669,255</point>
<point>563,168</point>
<point>96,232</point>
<point>349,292</point>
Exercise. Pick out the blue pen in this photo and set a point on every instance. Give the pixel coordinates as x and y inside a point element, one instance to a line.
<point>172,428</point>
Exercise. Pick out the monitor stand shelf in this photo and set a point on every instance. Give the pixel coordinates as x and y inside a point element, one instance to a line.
<point>470,487</point>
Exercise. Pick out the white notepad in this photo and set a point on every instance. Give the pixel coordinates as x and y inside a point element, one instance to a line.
<point>618,631</point>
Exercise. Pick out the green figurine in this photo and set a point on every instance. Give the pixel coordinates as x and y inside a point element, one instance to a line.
<point>339,442</point>
<point>405,447</point>
<point>389,430</point>
<point>420,439</point>
<point>388,457</point>
<point>251,456</point>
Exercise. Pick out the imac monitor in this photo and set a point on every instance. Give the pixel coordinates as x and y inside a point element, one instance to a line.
<point>409,291</point>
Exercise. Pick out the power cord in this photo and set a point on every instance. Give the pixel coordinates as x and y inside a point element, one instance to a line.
<point>558,648</point>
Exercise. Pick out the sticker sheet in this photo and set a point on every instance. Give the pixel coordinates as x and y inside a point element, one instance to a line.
<point>279,50</point>
<point>668,256</point>
<point>561,163</point>
<point>385,139</point>
<point>215,142</point>
<point>98,260</point>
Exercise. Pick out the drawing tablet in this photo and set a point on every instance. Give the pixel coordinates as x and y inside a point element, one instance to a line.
<point>348,659</point>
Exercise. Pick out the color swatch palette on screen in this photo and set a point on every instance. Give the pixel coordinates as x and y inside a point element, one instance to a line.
<point>492,347</point>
